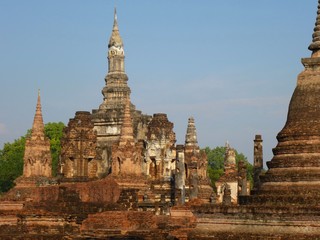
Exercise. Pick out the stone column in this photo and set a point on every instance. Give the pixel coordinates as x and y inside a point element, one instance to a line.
<point>257,161</point>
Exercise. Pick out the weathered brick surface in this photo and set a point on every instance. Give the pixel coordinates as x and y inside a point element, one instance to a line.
<point>79,157</point>
<point>126,206</point>
<point>37,157</point>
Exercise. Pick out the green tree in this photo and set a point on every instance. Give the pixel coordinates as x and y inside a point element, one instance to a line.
<point>54,132</point>
<point>11,156</point>
<point>216,163</point>
<point>11,163</point>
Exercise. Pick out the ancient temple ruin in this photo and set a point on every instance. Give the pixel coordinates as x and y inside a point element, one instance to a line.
<point>79,158</point>
<point>196,165</point>
<point>160,147</point>
<point>122,175</point>
<point>119,141</point>
<point>227,185</point>
<point>107,119</point>
<point>127,155</point>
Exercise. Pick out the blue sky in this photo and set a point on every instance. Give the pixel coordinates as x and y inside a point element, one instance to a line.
<point>230,64</point>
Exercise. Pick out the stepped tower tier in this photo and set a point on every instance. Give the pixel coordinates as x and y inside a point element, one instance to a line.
<point>295,166</point>
<point>191,141</point>
<point>37,155</point>
<point>107,119</point>
<point>195,164</point>
<point>194,158</point>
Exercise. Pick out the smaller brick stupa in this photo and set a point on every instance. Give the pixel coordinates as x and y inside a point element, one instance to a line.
<point>193,154</point>
<point>126,154</point>
<point>37,156</point>
<point>228,182</point>
<point>196,164</point>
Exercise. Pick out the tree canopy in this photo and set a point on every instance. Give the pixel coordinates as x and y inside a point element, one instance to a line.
<point>11,163</point>
<point>11,156</point>
<point>54,132</point>
<point>216,163</point>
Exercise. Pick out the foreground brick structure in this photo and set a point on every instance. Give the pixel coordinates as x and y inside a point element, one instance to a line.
<point>151,188</point>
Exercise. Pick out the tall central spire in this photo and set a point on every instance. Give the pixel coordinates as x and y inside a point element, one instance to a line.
<point>108,119</point>
<point>115,42</point>
<point>115,23</point>
<point>116,92</point>
<point>115,46</point>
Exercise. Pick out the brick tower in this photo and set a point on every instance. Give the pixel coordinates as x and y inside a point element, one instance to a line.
<point>37,156</point>
<point>294,171</point>
<point>79,158</point>
<point>196,164</point>
<point>257,161</point>
<point>126,154</point>
<point>116,92</point>
<point>191,141</point>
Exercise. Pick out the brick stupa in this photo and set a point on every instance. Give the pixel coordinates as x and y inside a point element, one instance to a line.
<point>126,154</point>
<point>294,172</point>
<point>37,156</point>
